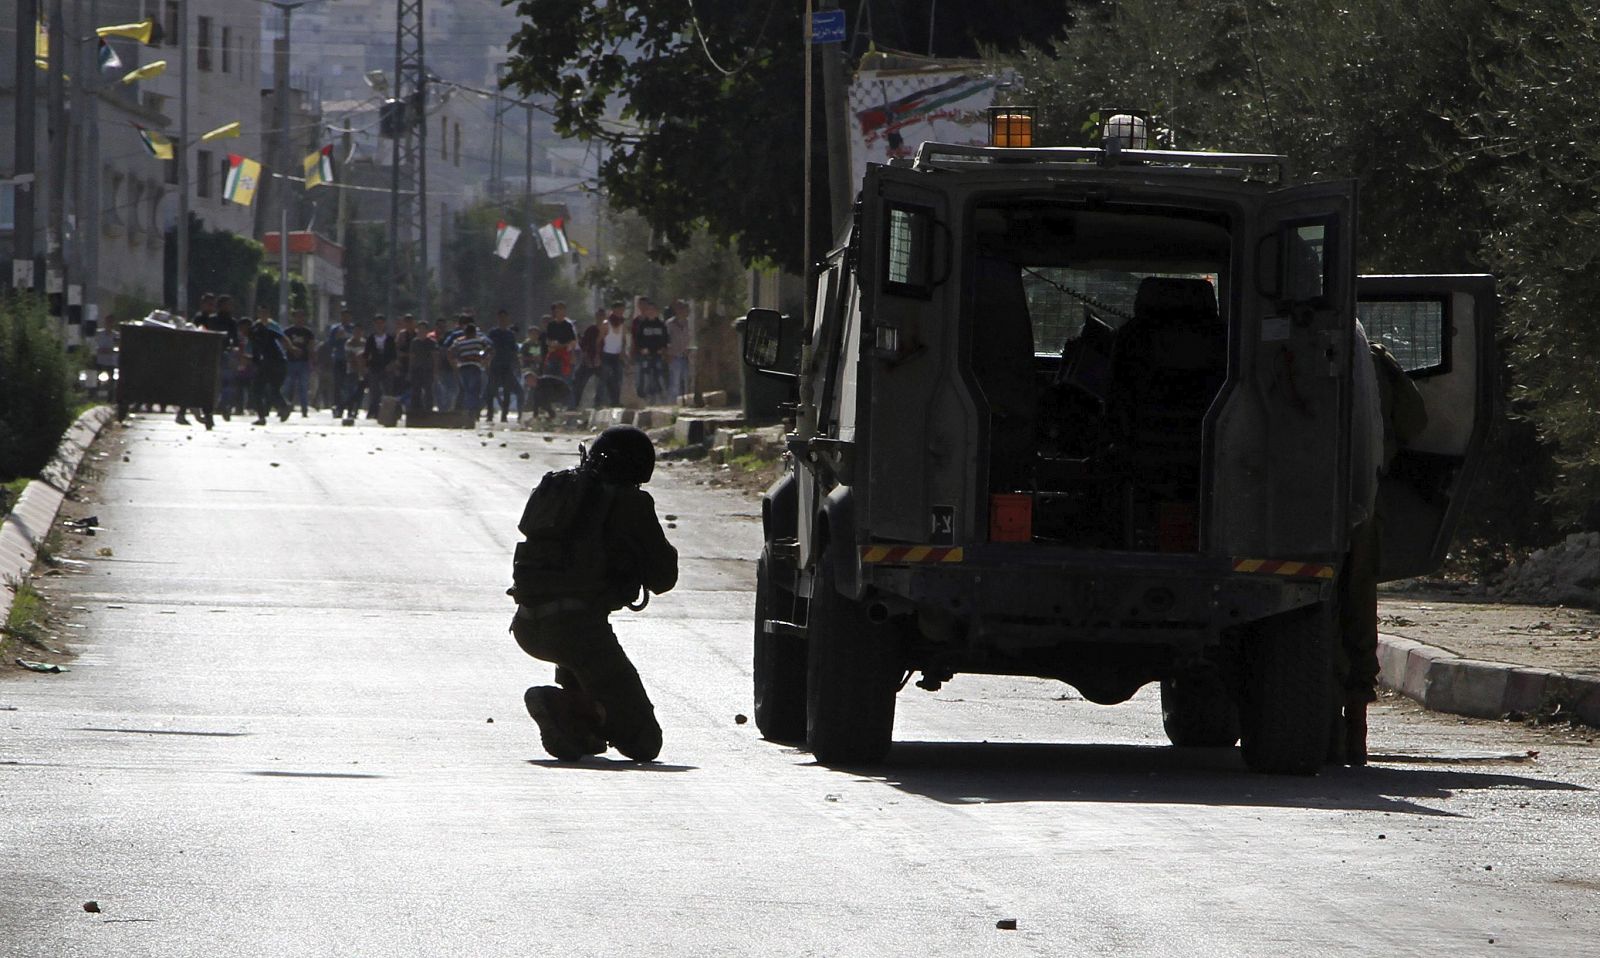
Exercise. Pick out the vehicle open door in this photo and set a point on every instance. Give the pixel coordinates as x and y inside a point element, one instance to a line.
<point>1281,439</point>
<point>1441,331</point>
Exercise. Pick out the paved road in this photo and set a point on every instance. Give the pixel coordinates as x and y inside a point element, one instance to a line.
<point>277,741</point>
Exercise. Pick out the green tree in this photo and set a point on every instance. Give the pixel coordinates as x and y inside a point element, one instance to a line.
<point>366,273</point>
<point>220,262</point>
<point>36,387</point>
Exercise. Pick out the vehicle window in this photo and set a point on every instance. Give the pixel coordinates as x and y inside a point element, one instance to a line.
<point>909,239</point>
<point>1412,329</point>
<point>1061,298</point>
<point>1305,262</point>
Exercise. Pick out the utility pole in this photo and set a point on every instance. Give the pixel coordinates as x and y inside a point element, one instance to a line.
<point>56,225</point>
<point>527,205</point>
<point>280,83</point>
<point>836,107</point>
<point>23,178</point>
<point>182,159</point>
<point>89,197</point>
<point>408,191</point>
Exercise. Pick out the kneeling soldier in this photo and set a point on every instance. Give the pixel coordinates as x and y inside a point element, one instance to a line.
<point>593,544</point>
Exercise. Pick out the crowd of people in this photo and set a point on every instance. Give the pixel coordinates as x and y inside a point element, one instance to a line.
<point>448,364</point>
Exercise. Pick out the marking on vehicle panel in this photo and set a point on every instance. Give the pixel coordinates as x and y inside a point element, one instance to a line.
<point>1289,569</point>
<point>908,555</point>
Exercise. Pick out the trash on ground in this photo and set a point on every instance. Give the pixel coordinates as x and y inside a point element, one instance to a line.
<point>91,906</point>
<point>48,668</point>
<point>740,719</point>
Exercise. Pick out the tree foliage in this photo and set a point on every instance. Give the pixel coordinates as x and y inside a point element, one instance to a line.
<point>702,103</point>
<point>220,262</point>
<point>36,388</point>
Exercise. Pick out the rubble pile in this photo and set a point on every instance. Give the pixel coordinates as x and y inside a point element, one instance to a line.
<point>1564,574</point>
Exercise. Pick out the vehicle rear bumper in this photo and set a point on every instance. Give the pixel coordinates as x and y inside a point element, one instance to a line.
<point>1057,596</point>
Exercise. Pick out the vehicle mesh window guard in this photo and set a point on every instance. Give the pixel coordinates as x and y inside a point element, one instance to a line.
<point>1412,329</point>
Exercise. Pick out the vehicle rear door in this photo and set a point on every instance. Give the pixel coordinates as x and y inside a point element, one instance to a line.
<point>917,424</point>
<point>1440,329</point>
<point>1280,441</point>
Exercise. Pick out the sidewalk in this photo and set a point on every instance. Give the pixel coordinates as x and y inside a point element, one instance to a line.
<point>1485,660</point>
<point>29,522</point>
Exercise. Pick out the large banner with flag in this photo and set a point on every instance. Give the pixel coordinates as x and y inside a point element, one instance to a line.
<point>243,176</point>
<point>892,112</point>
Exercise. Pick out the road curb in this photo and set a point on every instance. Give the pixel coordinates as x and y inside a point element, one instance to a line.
<point>1445,682</point>
<point>29,522</point>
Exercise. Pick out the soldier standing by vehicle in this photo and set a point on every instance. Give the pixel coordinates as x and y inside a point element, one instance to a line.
<point>593,543</point>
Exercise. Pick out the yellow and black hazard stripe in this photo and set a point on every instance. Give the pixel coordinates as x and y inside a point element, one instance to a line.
<point>909,555</point>
<point>1285,568</point>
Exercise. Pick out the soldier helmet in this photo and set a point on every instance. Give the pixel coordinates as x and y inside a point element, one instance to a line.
<point>623,454</point>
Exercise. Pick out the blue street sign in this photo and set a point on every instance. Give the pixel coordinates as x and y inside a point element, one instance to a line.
<point>827,26</point>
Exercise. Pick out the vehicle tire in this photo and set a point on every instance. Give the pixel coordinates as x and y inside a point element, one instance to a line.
<point>1288,690</point>
<point>853,674</point>
<point>1198,712</point>
<point>780,664</point>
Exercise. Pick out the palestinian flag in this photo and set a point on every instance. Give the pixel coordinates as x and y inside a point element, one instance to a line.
<point>553,236</point>
<point>505,239</point>
<point>319,167</point>
<point>108,57</point>
<point>159,145</point>
<point>243,176</point>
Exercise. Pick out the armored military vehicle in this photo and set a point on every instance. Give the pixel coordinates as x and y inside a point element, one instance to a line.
<point>1094,415</point>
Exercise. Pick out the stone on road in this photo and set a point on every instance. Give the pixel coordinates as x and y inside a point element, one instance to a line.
<point>275,740</point>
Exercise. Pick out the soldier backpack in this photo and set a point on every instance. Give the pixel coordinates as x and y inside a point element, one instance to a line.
<point>563,555</point>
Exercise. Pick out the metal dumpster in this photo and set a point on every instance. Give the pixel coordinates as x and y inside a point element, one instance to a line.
<point>166,366</point>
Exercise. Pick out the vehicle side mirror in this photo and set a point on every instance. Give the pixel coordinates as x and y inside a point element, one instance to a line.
<point>770,343</point>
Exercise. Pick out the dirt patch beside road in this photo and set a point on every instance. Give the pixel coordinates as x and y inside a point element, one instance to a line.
<point>1545,636</point>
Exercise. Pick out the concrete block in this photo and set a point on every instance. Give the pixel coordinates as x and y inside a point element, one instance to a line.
<point>1525,690</point>
<point>724,437</point>
<point>741,444</point>
<point>717,398</point>
<point>1467,687</point>
<point>690,432</point>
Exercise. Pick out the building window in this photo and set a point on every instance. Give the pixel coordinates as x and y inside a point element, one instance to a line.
<point>8,206</point>
<point>111,214</point>
<point>227,49</point>
<point>444,138</point>
<point>202,180</point>
<point>458,145</point>
<point>169,171</point>
<point>202,44</point>
<point>173,9</point>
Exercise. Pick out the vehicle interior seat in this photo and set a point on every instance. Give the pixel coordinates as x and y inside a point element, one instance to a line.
<point>1168,363</point>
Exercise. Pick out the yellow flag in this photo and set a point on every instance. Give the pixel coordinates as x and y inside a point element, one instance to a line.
<point>224,132</point>
<point>319,167</point>
<point>41,43</point>
<point>134,31</point>
<point>149,71</point>
<point>160,146</point>
<point>243,175</point>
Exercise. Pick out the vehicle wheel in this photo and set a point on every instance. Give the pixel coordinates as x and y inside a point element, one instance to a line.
<point>780,663</point>
<point>1288,690</point>
<point>1198,712</point>
<point>852,677</point>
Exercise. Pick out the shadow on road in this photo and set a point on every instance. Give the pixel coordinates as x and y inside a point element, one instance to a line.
<point>968,773</point>
<point>595,764</point>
